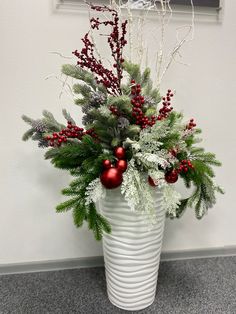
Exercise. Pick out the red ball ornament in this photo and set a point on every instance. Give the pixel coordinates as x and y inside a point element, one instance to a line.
<point>106,164</point>
<point>171,176</point>
<point>119,152</point>
<point>121,165</point>
<point>151,182</point>
<point>111,178</point>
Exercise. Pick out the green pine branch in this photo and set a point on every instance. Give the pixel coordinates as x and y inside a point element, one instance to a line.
<point>90,169</point>
<point>67,205</point>
<point>79,74</point>
<point>27,119</point>
<point>133,70</point>
<point>82,89</point>
<point>72,155</point>
<point>67,116</point>
<point>28,134</point>
<point>79,215</point>
<point>204,196</point>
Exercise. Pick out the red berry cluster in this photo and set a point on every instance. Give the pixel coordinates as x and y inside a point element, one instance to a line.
<point>114,111</point>
<point>166,109</point>
<point>185,165</point>
<point>137,102</point>
<point>116,42</point>
<point>190,125</point>
<point>72,131</point>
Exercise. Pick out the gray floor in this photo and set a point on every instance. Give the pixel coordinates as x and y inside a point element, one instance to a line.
<point>190,286</point>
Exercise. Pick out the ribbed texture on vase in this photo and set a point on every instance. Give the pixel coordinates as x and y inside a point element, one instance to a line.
<point>131,251</point>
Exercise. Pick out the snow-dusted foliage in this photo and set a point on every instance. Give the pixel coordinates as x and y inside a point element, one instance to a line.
<point>94,192</point>
<point>137,191</point>
<point>171,200</point>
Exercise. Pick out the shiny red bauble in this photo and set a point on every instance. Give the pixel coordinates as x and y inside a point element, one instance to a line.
<point>111,178</point>
<point>106,164</point>
<point>171,176</point>
<point>121,165</point>
<point>151,181</point>
<point>119,152</point>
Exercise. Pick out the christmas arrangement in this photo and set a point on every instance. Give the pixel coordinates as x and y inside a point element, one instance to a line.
<point>132,138</point>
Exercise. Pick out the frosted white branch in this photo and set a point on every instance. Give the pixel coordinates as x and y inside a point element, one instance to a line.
<point>171,200</point>
<point>66,87</point>
<point>94,191</point>
<point>179,43</point>
<point>60,55</point>
<point>137,15</point>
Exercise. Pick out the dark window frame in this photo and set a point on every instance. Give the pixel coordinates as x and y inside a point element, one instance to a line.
<point>201,3</point>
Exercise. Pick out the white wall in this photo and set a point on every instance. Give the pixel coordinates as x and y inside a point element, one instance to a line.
<point>30,230</point>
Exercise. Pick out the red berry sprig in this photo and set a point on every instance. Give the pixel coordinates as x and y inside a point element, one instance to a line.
<point>185,166</point>
<point>72,131</point>
<point>190,125</point>
<point>166,109</point>
<point>114,111</point>
<point>137,102</point>
<point>116,40</point>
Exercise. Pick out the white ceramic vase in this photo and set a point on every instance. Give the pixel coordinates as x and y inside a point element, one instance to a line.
<point>131,251</point>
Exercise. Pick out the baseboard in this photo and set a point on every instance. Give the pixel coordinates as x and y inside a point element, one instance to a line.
<point>198,253</point>
<point>51,265</point>
<point>98,261</point>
